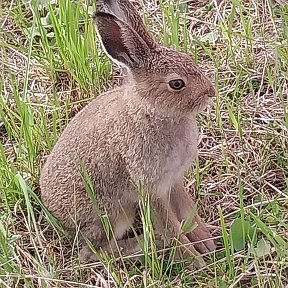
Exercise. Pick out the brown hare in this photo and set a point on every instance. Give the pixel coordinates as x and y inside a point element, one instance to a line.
<point>142,132</point>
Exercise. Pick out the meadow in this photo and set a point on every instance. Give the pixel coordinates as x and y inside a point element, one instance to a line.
<point>52,65</point>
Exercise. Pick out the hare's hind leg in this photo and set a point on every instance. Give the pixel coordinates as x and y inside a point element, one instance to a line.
<point>131,246</point>
<point>182,204</point>
<point>91,234</point>
<point>122,247</point>
<point>105,240</point>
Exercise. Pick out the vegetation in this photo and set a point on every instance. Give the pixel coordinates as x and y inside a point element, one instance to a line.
<point>51,66</point>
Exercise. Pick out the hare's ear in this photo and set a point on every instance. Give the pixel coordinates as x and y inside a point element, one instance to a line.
<point>120,41</point>
<point>126,11</point>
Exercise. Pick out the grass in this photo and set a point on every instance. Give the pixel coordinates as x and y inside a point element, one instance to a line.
<point>51,66</point>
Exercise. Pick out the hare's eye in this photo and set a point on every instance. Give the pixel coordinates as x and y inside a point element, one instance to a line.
<point>177,84</point>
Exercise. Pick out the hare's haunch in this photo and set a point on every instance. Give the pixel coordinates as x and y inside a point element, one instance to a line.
<point>142,132</point>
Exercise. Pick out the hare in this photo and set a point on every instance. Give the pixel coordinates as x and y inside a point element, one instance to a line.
<point>142,132</point>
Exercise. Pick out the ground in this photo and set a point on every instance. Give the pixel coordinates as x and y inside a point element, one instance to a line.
<point>51,66</point>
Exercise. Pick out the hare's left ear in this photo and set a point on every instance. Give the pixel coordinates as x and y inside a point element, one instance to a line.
<point>120,41</point>
<point>127,12</point>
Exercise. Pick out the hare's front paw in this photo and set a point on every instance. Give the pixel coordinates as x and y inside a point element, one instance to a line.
<point>186,250</point>
<point>201,237</point>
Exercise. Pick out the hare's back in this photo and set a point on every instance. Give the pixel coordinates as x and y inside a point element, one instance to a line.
<point>84,147</point>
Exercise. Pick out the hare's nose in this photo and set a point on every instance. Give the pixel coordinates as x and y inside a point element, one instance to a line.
<point>211,91</point>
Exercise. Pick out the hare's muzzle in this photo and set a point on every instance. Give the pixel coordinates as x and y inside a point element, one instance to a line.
<point>211,92</point>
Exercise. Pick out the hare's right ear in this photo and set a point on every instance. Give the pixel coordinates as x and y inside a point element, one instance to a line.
<point>121,42</point>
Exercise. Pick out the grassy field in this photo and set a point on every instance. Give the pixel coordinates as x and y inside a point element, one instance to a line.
<point>51,66</point>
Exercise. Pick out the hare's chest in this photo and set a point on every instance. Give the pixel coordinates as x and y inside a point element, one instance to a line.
<point>181,153</point>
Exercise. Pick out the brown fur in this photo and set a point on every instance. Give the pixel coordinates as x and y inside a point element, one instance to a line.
<point>143,131</point>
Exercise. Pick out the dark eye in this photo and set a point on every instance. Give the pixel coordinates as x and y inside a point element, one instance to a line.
<point>177,84</point>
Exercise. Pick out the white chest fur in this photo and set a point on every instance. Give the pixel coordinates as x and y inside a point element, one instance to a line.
<point>182,154</point>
